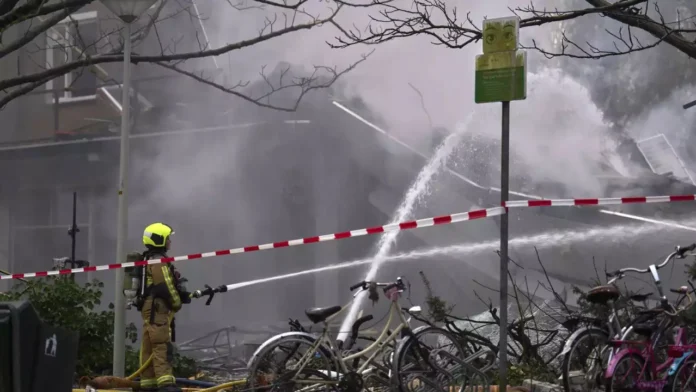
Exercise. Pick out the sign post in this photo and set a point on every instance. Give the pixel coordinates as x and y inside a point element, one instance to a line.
<point>501,76</point>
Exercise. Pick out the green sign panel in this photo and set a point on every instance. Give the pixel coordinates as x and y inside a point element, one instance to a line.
<point>500,34</point>
<point>501,77</point>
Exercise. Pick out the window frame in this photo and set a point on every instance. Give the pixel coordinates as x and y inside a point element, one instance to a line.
<point>53,39</point>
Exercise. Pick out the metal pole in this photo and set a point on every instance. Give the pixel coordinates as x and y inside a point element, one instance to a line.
<point>119,300</point>
<point>56,112</point>
<point>690,104</point>
<point>73,234</point>
<point>504,190</point>
<point>90,232</point>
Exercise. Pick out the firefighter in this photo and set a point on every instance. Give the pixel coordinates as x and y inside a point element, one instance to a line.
<point>162,297</point>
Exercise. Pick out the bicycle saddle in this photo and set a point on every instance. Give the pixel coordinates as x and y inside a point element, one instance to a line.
<point>651,312</point>
<point>317,315</point>
<point>640,297</point>
<point>646,316</point>
<point>572,322</point>
<point>645,329</point>
<point>603,294</point>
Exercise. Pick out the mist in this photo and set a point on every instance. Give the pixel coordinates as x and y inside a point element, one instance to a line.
<point>265,180</point>
<point>229,191</point>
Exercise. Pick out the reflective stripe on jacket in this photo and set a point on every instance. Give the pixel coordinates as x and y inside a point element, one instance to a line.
<point>161,283</point>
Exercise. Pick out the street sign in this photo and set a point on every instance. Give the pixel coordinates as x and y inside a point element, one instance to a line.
<point>501,77</point>
<point>500,34</point>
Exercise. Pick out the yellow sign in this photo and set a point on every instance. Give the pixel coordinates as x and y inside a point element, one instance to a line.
<point>499,60</point>
<point>500,34</point>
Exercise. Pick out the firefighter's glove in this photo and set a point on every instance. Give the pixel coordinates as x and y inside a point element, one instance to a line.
<point>185,297</point>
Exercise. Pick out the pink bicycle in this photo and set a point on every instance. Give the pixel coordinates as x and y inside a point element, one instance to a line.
<point>682,373</point>
<point>635,365</point>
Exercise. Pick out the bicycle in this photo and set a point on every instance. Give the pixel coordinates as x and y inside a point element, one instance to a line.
<point>599,331</point>
<point>652,332</point>
<point>642,354</point>
<point>684,366</point>
<point>351,371</point>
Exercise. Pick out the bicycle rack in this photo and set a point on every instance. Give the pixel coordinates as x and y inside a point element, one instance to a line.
<point>481,353</point>
<point>472,376</point>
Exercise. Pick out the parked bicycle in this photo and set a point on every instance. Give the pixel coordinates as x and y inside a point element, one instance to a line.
<point>587,346</point>
<point>302,361</point>
<point>635,366</point>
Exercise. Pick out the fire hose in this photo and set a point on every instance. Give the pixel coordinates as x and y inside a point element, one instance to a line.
<point>209,292</point>
<point>111,382</point>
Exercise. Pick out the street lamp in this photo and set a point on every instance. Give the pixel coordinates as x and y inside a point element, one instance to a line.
<point>128,11</point>
<point>690,104</point>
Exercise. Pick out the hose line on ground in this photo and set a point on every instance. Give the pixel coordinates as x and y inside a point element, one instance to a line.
<point>216,388</point>
<point>142,369</point>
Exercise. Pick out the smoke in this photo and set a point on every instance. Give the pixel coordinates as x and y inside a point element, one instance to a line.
<point>647,78</point>
<point>557,135</point>
<point>275,181</point>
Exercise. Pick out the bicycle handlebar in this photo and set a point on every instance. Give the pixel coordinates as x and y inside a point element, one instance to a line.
<point>679,251</point>
<point>366,284</point>
<point>682,290</point>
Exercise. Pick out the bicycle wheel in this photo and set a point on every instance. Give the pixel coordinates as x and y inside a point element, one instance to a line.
<point>684,379</point>
<point>627,374</point>
<point>278,366</point>
<point>584,365</point>
<point>415,367</point>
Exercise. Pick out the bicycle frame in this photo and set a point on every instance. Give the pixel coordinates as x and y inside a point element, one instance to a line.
<point>371,352</point>
<point>686,352</point>
<point>646,352</point>
<point>625,331</point>
<point>612,327</point>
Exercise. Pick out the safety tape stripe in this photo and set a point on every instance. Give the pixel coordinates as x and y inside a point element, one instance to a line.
<point>427,222</point>
<point>599,201</point>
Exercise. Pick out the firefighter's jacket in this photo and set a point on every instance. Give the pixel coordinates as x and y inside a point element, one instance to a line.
<point>161,283</point>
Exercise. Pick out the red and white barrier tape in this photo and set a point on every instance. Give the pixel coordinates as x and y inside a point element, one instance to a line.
<point>427,222</point>
<point>598,202</point>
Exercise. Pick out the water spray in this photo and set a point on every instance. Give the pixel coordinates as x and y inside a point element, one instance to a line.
<point>425,175</point>
<point>417,189</point>
<point>540,241</point>
<point>495,189</point>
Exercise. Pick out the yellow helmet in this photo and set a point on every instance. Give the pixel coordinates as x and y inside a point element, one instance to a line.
<point>156,235</point>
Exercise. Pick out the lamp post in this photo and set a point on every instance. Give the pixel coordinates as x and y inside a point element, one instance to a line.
<point>128,11</point>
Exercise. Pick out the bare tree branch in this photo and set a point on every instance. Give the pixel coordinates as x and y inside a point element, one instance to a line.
<point>37,30</point>
<point>433,18</point>
<point>305,84</point>
<point>322,76</point>
<point>422,101</point>
<point>34,9</point>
